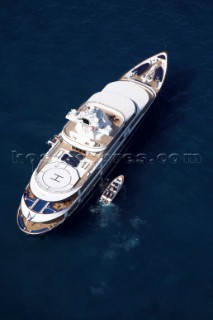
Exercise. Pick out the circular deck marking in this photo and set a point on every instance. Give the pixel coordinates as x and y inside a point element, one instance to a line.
<point>57,178</point>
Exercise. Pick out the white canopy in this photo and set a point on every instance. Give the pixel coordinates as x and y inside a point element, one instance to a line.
<point>116,101</point>
<point>130,90</point>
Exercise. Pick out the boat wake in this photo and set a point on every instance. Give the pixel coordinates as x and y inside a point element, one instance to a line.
<point>123,237</point>
<point>106,214</point>
<point>100,289</point>
<point>126,242</point>
<point>138,222</point>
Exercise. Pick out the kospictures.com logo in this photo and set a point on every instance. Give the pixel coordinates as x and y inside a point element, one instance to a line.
<point>163,158</point>
<point>32,158</point>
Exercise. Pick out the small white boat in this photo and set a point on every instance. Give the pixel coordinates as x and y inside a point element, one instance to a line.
<point>112,190</point>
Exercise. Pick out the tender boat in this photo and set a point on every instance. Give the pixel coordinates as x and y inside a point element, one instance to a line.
<point>85,150</point>
<point>112,190</point>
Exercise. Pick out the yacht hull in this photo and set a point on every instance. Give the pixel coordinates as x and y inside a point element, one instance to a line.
<point>140,76</point>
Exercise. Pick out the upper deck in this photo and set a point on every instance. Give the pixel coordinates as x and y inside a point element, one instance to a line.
<point>80,147</point>
<point>88,140</point>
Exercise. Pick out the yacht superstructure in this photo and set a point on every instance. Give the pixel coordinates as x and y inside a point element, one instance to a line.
<point>84,150</point>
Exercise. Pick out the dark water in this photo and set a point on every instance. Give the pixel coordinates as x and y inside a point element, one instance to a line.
<point>150,255</point>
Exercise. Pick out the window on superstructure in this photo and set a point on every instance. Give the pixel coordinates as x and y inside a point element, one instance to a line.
<point>79,150</point>
<point>85,121</point>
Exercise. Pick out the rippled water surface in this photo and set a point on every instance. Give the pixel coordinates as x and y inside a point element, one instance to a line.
<point>149,255</point>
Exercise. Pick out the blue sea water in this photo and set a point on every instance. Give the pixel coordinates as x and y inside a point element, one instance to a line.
<point>150,255</point>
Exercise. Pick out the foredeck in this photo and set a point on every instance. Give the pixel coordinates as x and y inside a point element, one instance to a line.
<point>150,72</point>
<point>154,84</point>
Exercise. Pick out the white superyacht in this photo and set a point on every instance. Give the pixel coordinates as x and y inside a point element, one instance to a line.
<point>84,150</point>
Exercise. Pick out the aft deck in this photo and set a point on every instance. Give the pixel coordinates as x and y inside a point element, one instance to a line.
<point>34,228</point>
<point>46,207</point>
